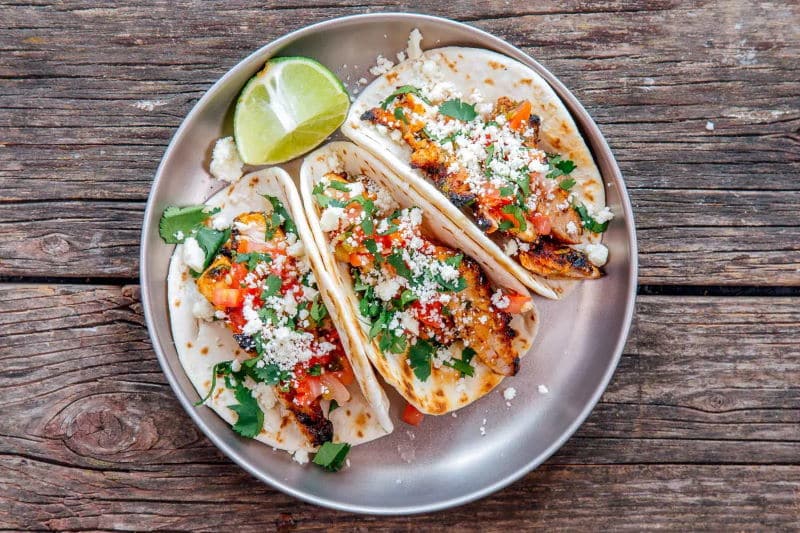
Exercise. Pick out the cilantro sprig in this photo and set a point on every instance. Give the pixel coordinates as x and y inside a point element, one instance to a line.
<point>463,365</point>
<point>419,358</point>
<point>457,109</point>
<point>404,89</point>
<point>588,222</point>
<point>331,456</point>
<point>559,166</point>
<point>178,223</point>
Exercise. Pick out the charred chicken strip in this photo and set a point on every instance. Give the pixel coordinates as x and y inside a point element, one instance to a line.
<point>495,170</point>
<point>420,297</point>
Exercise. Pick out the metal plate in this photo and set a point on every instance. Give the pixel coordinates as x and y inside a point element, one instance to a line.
<point>445,462</point>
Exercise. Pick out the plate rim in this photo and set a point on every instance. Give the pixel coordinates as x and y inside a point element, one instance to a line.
<point>587,122</point>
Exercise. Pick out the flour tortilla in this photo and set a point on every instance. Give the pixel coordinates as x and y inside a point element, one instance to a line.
<point>443,391</point>
<point>201,344</point>
<point>492,75</point>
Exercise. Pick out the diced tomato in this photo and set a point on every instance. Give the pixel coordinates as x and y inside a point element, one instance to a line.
<point>238,273</point>
<point>307,390</point>
<point>345,375</point>
<point>389,241</point>
<point>246,246</point>
<point>223,297</point>
<point>517,303</point>
<point>519,118</point>
<point>429,314</point>
<point>492,198</point>
<point>358,260</point>
<point>541,224</point>
<point>236,319</point>
<point>411,415</point>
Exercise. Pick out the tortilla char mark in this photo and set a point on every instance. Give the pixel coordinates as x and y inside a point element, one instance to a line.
<point>552,218</point>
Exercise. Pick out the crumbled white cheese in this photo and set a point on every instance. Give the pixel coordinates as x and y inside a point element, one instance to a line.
<point>572,229</point>
<point>193,255</point>
<point>604,215</point>
<point>236,365</point>
<point>413,50</point>
<point>401,56</point>
<point>387,289</point>
<point>179,235</point>
<point>500,300</point>
<point>543,389</point>
<point>225,162</point>
<point>329,220</point>
<point>510,393</point>
<point>382,66</point>
<point>710,126</point>
<point>300,456</point>
<point>510,248</point>
<point>597,254</point>
<point>296,249</point>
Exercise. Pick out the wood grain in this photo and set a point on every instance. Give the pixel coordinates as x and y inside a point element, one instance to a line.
<point>89,101</point>
<point>700,427</point>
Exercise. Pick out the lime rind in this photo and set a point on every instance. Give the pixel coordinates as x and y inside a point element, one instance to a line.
<point>291,106</point>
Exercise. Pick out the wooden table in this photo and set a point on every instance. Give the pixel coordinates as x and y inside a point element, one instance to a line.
<point>700,427</point>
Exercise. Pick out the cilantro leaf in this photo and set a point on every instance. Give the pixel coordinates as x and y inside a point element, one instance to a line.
<point>368,225</point>
<point>519,216</point>
<point>463,365</point>
<point>339,186</point>
<point>396,260</point>
<point>271,286</point>
<point>456,285</point>
<point>271,374</point>
<point>454,261</point>
<point>331,456</point>
<point>334,405</point>
<point>280,210</point>
<point>252,259</point>
<point>211,240</point>
<point>489,156</point>
<point>318,311</point>
<point>315,370</point>
<point>250,418</point>
<point>182,221</point>
<point>559,166</point>
<point>399,114</point>
<point>567,184</point>
<point>407,297</point>
<point>419,357</point>
<point>405,89</point>
<point>588,222</point>
<point>459,110</point>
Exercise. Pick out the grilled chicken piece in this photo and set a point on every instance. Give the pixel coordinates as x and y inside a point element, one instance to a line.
<point>214,275</point>
<point>492,339</point>
<point>560,219</point>
<point>310,419</point>
<point>558,262</point>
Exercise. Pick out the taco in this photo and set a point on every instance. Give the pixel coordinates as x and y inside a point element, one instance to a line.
<point>487,140</point>
<point>441,322</point>
<point>253,317</point>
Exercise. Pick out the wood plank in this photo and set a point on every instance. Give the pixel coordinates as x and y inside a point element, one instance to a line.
<point>699,427</point>
<point>734,239</point>
<point>89,102</point>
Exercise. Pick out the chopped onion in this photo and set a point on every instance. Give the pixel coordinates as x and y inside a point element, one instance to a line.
<point>335,388</point>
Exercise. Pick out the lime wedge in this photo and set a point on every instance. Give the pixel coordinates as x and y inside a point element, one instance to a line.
<point>287,109</point>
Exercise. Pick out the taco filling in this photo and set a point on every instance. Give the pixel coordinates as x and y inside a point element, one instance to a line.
<point>417,297</point>
<point>261,285</point>
<point>486,158</point>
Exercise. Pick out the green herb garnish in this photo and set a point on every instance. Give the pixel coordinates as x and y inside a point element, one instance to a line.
<point>559,166</point>
<point>463,365</point>
<point>271,286</point>
<point>181,222</point>
<point>457,109</point>
<point>518,215</point>
<point>250,418</point>
<point>567,184</point>
<point>588,222</point>
<point>419,357</point>
<point>405,89</point>
<point>331,456</point>
<point>252,259</point>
